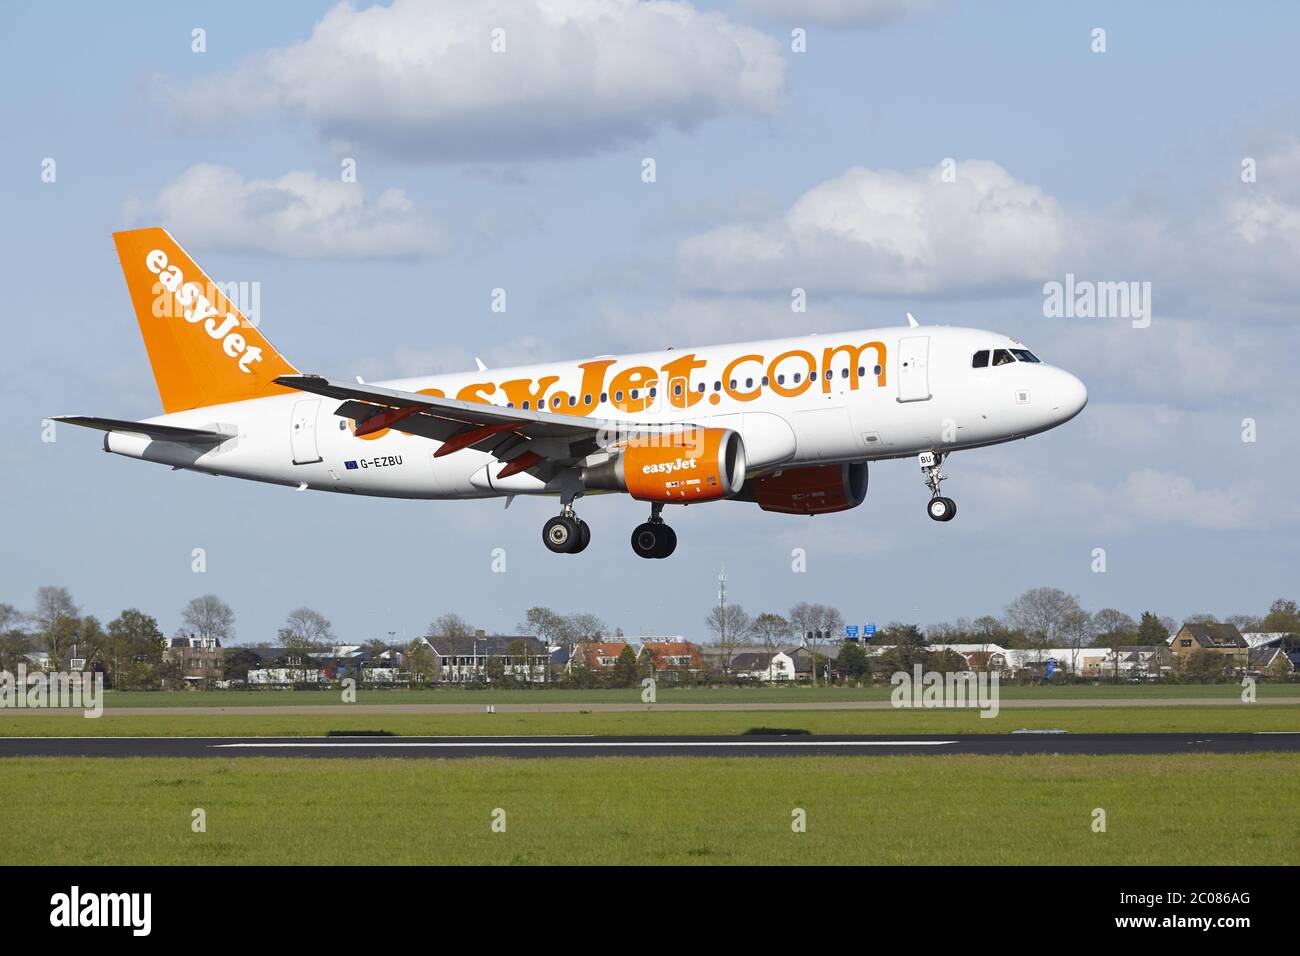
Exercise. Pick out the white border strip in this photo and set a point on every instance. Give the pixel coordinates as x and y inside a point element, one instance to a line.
<point>553,744</point>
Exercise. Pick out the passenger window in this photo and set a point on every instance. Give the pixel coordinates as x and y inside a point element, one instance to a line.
<point>780,380</point>
<point>586,399</point>
<point>1002,357</point>
<point>981,360</point>
<point>604,397</point>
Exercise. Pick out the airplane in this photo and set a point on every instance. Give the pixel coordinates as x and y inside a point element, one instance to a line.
<point>789,425</point>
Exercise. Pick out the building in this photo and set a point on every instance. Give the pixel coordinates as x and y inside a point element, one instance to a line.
<point>482,658</point>
<point>1202,636</point>
<point>199,659</point>
<point>599,657</point>
<point>763,666</point>
<point>671,659</point>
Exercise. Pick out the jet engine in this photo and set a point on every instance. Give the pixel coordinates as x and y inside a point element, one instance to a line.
<point>680,467</point>
<point>810,490</point>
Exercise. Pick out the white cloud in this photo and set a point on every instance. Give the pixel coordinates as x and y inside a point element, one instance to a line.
<point>851,13</point>
<point>888,232</point>
<point>1252,238</point>
<point>420,78</point>
<point>299,215</point>
<point>1160,497</point>
<point>1145,498</point>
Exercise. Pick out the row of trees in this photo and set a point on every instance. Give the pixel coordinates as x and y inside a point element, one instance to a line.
<point>1040,617</point>
<point>131,647</point>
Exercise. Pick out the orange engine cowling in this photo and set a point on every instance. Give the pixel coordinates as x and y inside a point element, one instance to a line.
<point>698,464</point>
<point>813,490</point>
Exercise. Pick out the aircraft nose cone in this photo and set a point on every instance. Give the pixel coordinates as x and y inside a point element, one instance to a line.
<point>1069,396</point>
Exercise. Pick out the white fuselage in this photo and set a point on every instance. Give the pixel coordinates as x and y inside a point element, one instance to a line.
<point>836,397</point>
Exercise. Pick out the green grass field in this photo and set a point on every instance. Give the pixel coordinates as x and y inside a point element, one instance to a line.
<point>1192,809</point>
<point>666,695</point>
<point>1109,719</point>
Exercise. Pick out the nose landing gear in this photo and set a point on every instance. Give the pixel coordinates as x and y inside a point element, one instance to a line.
<point>939,508</point>
<point>654,539</point>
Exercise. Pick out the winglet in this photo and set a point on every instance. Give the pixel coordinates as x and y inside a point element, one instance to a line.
<point>911,321</point>
<point>479,362</point>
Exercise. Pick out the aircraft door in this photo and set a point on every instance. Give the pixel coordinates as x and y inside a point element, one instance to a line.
<point>302,431</point>
<point>914,369</point>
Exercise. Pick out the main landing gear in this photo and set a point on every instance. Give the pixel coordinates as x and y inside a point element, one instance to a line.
<point>566,533</point>
<point>654,539</point>
<point>939,508</point>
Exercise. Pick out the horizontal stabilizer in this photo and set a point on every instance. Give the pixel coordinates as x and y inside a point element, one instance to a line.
<point>190,436</point>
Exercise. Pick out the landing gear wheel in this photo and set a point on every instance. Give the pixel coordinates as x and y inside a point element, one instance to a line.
<point>667,541</point>
<point>941,509</point>
<point>562,534</point>
<point>584,537</point>
<point>646,540</point>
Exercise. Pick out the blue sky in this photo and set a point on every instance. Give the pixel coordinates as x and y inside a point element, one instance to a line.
<point>1127,161</point>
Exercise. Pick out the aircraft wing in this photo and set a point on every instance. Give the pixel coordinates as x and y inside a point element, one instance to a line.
<point>188,436</point>
<point>526,440</point>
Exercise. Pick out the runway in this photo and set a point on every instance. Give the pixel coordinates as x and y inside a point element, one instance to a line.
<point>581,746</point>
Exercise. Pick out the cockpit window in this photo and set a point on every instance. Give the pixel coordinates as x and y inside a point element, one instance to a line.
<point>1024,355</point>
<point>1002,357</point>
<point>981,360</point>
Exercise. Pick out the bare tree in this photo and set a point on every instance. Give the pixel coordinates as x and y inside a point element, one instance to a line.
<point>772,631</point>
<point>586,627</point>
<point>307,626</point>
<point>816,623</point>
<point>731,626</point>
<point>55,621</point>
<point>1049,617</point>
<point>209,617</point>
<point>450,626</point>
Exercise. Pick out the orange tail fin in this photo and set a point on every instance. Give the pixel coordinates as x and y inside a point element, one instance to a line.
<point>203,350</point>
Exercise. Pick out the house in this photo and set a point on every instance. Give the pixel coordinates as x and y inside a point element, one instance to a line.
<point>1270,660</point>
<point>280,667</point>
<point>763,666</point>
<point>1222,639</point>
<point>477,659</point>
<point>671,659</point>
<point>1288,644</point>
<point>199,659</point>
<point>1138,662</point>
<point>599,657</point>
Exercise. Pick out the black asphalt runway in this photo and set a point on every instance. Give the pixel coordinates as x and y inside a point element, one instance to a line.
<point>746,746</point>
